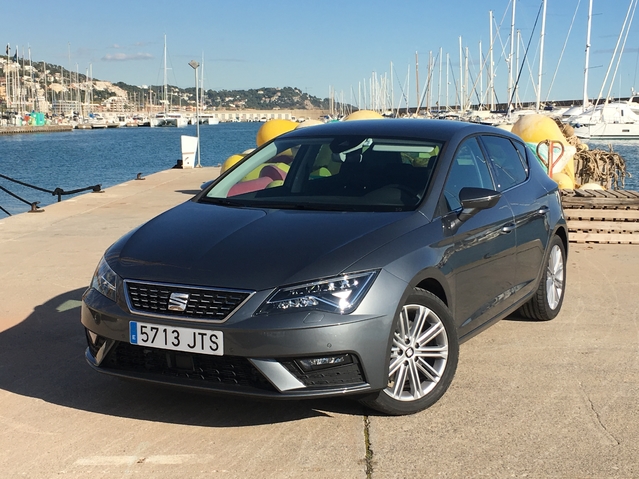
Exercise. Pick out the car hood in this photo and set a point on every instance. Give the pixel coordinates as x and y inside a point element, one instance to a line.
<point>250,248</point>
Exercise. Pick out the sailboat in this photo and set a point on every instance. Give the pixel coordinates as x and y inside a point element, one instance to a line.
<point>611,120</point>
<point>168,118</point>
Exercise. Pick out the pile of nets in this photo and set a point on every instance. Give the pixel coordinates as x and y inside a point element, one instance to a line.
<point>606,168</point>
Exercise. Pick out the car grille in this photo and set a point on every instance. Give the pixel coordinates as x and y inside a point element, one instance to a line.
<point>337,376</point>
<point>205,369</point>
<point>203,304</point>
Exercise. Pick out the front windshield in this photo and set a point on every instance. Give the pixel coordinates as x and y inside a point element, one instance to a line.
<point>333,173</point>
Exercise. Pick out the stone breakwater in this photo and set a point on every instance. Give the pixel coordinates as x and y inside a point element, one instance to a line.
<point>10,130</point>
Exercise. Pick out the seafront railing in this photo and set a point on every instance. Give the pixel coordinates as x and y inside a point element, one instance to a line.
<point>59,192</point>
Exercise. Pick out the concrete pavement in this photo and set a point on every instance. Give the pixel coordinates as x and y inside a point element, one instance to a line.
<point>555,399</point>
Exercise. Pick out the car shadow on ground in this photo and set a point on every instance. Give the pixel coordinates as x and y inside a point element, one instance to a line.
<point>43,357</point>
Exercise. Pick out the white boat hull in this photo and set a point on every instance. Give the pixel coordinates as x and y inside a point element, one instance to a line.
<point>170,121</point>
<point>209,121</point>
<point>608,131</point>
<point>611,121</point>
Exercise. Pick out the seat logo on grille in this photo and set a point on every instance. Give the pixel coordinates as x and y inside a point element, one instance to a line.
<point>178,301</point>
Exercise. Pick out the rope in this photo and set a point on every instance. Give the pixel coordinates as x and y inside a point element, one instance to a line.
<point>25,184</point>
<point>604,167</point>
<point>59,192</point>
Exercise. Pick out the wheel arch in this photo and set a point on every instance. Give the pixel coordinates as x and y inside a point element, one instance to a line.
<point>433,286</point>
<point>562,233</point>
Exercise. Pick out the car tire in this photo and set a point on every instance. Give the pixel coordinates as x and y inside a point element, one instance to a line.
<point>549,297</point>
<point>418,374</point>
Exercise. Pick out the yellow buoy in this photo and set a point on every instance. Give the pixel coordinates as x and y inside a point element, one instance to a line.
<point>592,186</point>
<point>307,123</point>
<point>272,129</point>
<point>536,128</point>
<point>230,161</point>
<point>363,115</point>
<point>564,181</point>
<point>582,147</point>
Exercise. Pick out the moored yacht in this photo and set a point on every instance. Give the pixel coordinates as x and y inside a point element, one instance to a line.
<point>615,120</point>
<point>169,119</point>
<point>208,119</point>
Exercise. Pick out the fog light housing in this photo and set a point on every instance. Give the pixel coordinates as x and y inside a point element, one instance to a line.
<point>313,364</point>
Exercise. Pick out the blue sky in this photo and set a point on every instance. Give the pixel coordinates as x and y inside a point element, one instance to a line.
<point>315,45</point>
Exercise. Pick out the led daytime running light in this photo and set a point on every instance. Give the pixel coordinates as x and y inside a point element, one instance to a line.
<point>336,295</point>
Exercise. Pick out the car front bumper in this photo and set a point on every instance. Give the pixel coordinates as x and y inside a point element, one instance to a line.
<point>261,353</point>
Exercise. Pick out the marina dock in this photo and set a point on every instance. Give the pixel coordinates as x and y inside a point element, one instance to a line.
<point>534,399</point>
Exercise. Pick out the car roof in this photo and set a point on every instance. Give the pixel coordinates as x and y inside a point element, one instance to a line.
<point>427,129</point>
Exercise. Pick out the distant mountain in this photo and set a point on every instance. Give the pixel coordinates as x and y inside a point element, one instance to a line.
<point>59,80</point>
<point>267,98</point>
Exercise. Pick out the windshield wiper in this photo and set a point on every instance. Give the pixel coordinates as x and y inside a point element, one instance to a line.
<point>222,201</point>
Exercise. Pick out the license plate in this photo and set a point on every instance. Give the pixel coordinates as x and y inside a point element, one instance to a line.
<point>174,338</point>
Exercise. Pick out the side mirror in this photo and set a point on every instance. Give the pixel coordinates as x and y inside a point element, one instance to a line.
<point>474,200</point>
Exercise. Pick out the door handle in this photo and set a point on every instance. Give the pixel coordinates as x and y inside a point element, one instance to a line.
<point>508,228</point>
<point>543,211</point>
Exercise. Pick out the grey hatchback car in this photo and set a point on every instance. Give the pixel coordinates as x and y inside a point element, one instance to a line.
<point>347,258</point>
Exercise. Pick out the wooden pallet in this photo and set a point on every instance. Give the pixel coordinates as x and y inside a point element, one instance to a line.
<point>602,216</point>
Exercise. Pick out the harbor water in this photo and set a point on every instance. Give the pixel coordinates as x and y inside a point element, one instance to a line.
<point>82,158</point>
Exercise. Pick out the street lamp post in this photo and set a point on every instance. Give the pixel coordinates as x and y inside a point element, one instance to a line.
<point>195,66</point>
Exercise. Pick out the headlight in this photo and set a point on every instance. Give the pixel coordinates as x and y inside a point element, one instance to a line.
<point>105,280</point>
<point>340,295</point>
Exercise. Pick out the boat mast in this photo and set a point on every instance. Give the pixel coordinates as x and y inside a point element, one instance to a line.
<point>587,56</point>
<point>417,82</point>
<point>429,97</point>
<point>7,78</point>
<point>164,95</point>
<point>439,87</point>
<point>44,71</point>
<point>408,91</point>
<point>461,76</point>
<point>69,92</point>
<point>541,53</point>
<point>517,102</point>
<point>614,53</point>
<point>481,78</point>
<point>447,79</point>
<point>201,101</point>
<point>467,100</point>
<point>491,74</point>
<point>623,46</point>
<point>510,59</point>
<point>392,92</point>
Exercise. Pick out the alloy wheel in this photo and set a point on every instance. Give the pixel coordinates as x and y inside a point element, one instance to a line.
<point>419,354</point>
<point>555,277</point>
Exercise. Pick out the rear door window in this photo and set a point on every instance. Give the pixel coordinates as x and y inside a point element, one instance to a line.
<point>506,161</point>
